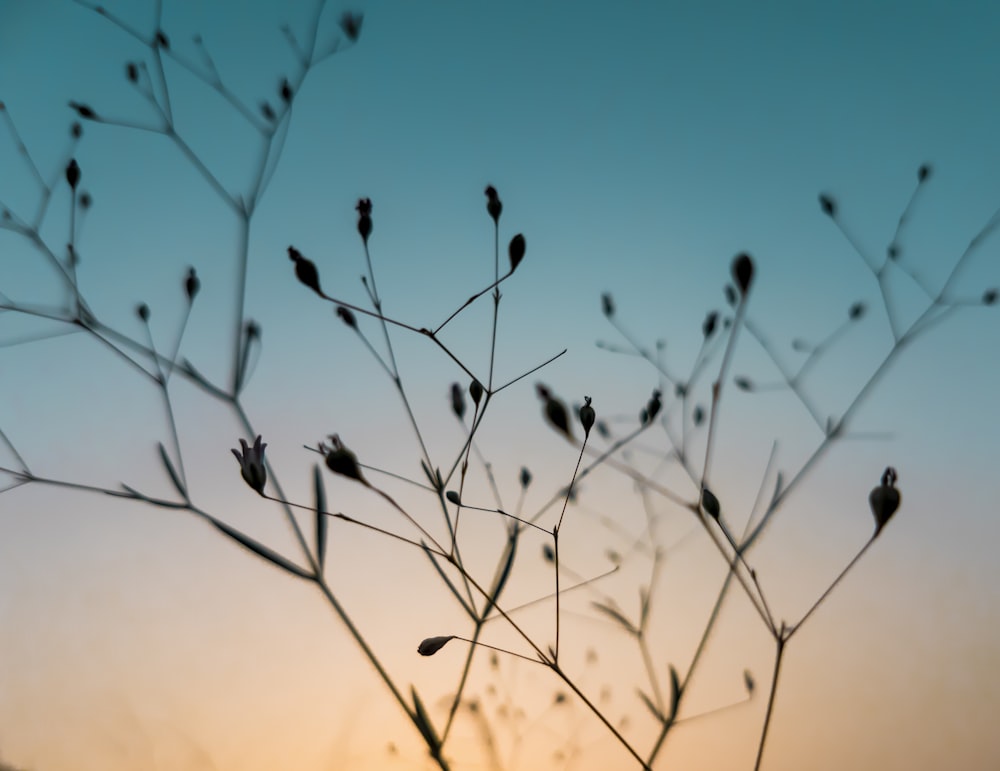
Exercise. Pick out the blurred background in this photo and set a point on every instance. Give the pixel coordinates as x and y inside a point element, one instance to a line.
<point>638,148</point>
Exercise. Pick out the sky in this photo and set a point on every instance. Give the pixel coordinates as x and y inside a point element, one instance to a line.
<point>638,147</point>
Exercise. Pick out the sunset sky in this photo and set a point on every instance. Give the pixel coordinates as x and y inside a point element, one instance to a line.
<point>638,147</point>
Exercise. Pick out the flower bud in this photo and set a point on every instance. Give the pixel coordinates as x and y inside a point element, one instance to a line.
<point>350,23</point>
<point>555,411</point>
<point>286,91</point>
<point>347,316</point>
<point>587,416</point>
<point>828,205</point>
<point>607,305</point>
<point>73,173</point>
<point>923,172</point>
<point>131,72</point>
<point>990,297</point>
<point>161,39</point>
<point>142,311</point>
<point>191,284</point>
<point>432,645</point>
<point>710,503</point>
<point>708,326</point>
<point>453,497</point>
<point>364,209</point>
<point>516,251</point>
<point>525,477</point>
<point>251,462</point>
<point>342,461</point>
<point>457,401</point>
<point>305,270</point>
<point>884,499</point>
<point>742,270</point>
<point>493,205</point>
<point>83,110</point>
<point>476,391</point>
<point>856,311</point>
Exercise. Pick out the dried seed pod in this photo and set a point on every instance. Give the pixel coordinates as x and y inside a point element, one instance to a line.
<point>162,40</point>
<point>493,205</point>
<point>607,304</point>
<point>587,416</point>
<point>142,311</point>
<point>516,251</point>
<point>548,553</point>
<point>923,172</point>
<point>131,72</point>
<point>828,205</point>
<point>453,497</point>
<point>432,645</point>
<point>286,91</point>
<point>884,499</point>
<point>525,477</point>
<point>710,503</point>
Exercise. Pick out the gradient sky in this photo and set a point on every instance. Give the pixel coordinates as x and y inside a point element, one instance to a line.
<point>638,146</point>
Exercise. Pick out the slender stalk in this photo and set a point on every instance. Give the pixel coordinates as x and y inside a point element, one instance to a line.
<point>779,653</point>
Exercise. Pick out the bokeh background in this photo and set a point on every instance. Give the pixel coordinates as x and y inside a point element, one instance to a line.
<point>638,146</point>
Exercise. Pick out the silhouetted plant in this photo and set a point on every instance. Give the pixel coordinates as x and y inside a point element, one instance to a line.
<point>681,415</point>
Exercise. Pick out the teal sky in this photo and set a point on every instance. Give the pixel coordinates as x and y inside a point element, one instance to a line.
<point>638,146</point>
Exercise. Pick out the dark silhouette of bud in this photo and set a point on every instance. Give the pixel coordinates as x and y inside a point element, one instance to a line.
<point>161,40</point>
<point>708,326</point>
<point>607,305</point>
<point>432,645</point>
<point>698,415</point>
<point>268,112</point>
<point>828,205</point>
<point>652,408</point>
<point>743,383</point>
<point>253,330</point>
<point>555,411</point>
<point>73,173</point>
<point>516,251</point>
<point>453,497</point>
<point>83,110</point>
<point>476,391</point>
<point>457,401</point>
<point>893,251</point>
<point>191,284</point>
<point>548,553</point>
<point>730,294</point>
<point>493,205</point>
<point>142,311</point>
<point>251,462</point>
<point>742,270</point>
<point>748,681</point>
<point>856,311</point>
<point>364,208</point>
<point>350,23</point>
<point>286,91</point>
<point>342,461</point>
<point>587,416</point>
<point>525,477</point>
<point>884,499</point>
<point>76,130</point>
<point>305,271</point>
<point>347,316</point>
<point>923,172</point>
<point>989,297</point>
<point>131,72</point>
<point>710,504</point>
<point>85,201</point>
